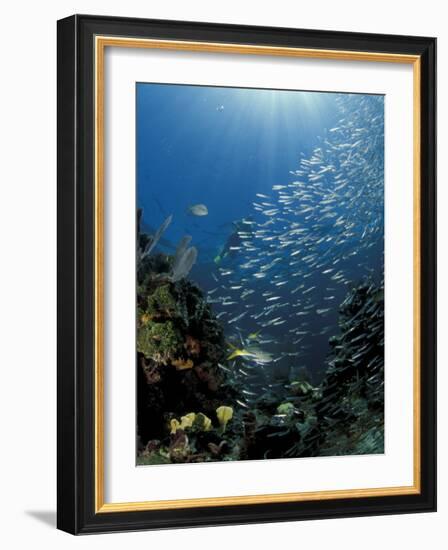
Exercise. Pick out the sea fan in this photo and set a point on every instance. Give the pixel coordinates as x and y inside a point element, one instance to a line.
<point>152,244</point>
<point>184,257</point>
<point>183,262</point>
<point>180,251</point>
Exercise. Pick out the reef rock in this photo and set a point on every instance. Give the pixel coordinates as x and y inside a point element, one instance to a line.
<point>179,346</point>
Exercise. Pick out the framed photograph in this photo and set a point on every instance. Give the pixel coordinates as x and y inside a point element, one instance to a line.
<point>246,271</point>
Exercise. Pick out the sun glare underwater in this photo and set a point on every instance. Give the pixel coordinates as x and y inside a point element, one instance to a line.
<point>260,274</point>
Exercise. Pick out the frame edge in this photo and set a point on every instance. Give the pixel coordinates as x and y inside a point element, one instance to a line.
<point>73,514</point>
<point>67,457</point>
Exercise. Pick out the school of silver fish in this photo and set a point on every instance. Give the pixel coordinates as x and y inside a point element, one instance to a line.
<point>306,244</point>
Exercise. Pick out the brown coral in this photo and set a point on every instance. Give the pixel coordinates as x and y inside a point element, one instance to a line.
<point>151,371</point>
<point>205,375</point>
<point>192,345</point>
<point>145,318</point>
<point>179,448</point>
<point>182,364</point>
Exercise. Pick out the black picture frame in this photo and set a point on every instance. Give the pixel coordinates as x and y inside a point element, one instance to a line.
<point>76,512</point>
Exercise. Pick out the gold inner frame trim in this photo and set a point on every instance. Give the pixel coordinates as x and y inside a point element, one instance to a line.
<point>100,44</point>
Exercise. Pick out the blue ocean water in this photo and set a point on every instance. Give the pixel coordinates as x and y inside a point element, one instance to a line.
<point>219,146</point>
<point>293,186</point>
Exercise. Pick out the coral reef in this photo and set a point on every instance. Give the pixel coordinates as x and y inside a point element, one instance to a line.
<point>345,414</point>
<point>189,406</point>
<point>179,346</point>
<point>350,414</point>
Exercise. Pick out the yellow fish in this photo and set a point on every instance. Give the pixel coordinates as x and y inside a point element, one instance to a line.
<point>238,353</point>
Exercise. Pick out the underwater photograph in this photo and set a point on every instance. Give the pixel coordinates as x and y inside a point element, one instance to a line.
<point>259,274</point>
